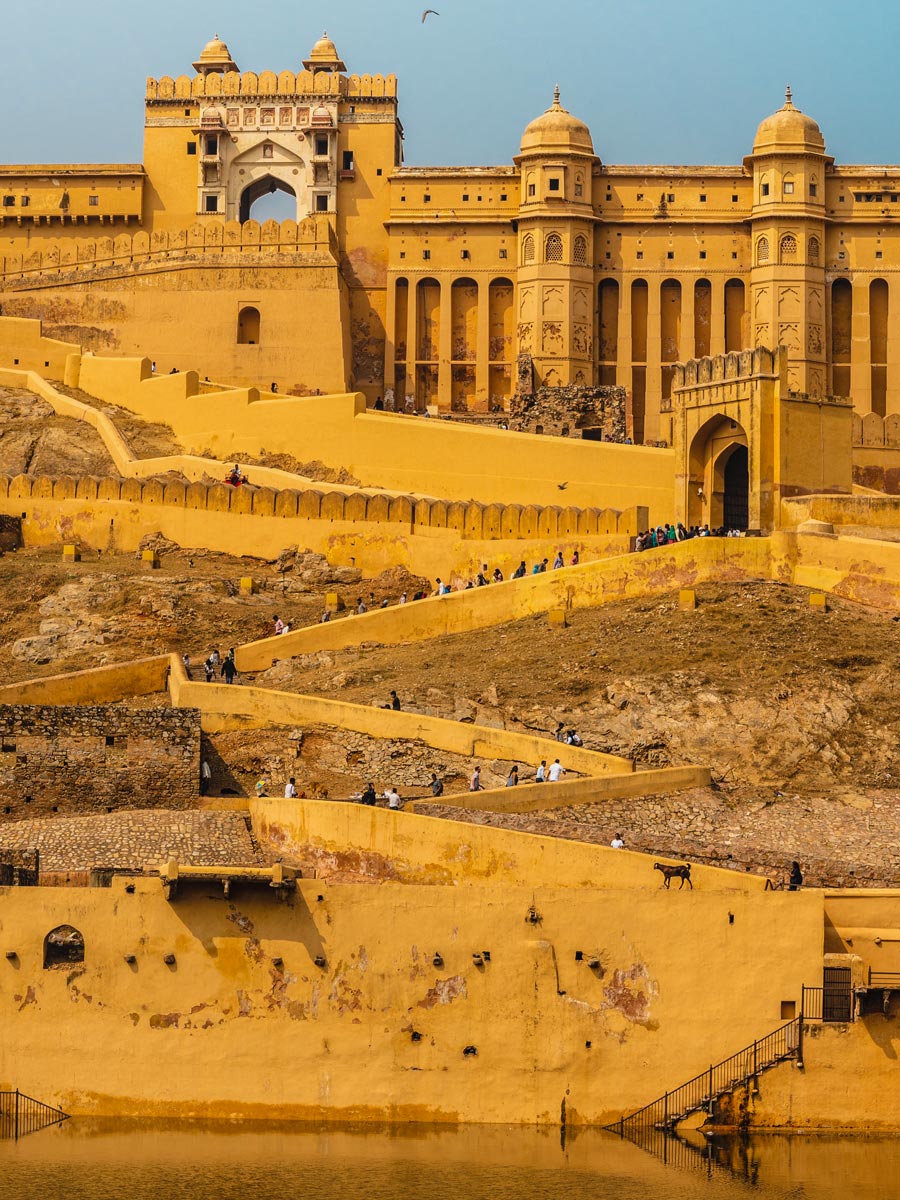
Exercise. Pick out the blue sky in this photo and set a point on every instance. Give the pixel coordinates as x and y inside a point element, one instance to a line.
<point>658,82</point>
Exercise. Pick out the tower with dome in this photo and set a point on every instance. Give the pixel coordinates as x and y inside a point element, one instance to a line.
<point>327,264</point>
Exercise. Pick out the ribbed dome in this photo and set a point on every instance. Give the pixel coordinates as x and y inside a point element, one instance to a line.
<point>324,56</point>
<point>557,129</point>
<point>215,56</point>
<point>789,129</point>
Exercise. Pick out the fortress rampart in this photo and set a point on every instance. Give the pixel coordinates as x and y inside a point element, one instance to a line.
<point>70,260</point>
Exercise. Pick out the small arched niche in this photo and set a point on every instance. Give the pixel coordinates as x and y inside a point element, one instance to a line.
<point>248,326</point>
<point>63,946</point>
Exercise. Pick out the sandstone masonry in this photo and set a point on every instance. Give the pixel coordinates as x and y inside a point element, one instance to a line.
<point>96,758</point>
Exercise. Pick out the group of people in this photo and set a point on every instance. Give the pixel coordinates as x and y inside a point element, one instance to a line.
<point>543,774</point>
<point>664,535</point>
<point>214,664</point>
<point>485,576</point>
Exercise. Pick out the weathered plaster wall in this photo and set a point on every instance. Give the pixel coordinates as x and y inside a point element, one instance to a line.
<point>226,1031</point>
<point>849,1080</point>
<point>418,849</point>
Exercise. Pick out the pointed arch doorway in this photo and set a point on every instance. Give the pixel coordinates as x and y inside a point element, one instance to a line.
<point>719,479</point>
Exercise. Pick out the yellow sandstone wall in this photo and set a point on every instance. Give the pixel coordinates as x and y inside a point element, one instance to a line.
<point>849,1080</point>
<point>225,1031</point>
<point>225,707</point>
<point>23,347</point>
<point>413,848</point>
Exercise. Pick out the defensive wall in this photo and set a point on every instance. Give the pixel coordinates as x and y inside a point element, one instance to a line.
<point>863,570</point>
<point>74,260</point>
<point>404,1002</point>
<point>351,528</point>
<point>96,758</point>
<point>411,848</point>
<point>121,294</point>
<point>451,459</point>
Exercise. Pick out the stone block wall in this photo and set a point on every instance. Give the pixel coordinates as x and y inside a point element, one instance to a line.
<point>96,758</point>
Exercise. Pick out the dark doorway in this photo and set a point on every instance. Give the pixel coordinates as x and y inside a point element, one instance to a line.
<point>736,506</point>
<point>837,994</point>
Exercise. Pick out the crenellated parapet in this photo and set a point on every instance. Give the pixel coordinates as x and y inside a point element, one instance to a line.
<point>312,240</point>
<point>469,521</point>
<point>721,368</point>
<point>284,85</point>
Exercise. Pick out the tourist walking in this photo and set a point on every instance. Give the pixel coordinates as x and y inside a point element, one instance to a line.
<point>541,773</point>
<point>436,785</point>
<point>475,781</point>
<point>512,779</point>
<point>229,670</point>
<point>290,789</point>
<point>556,771</point>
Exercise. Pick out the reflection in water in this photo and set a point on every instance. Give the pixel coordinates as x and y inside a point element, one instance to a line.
<point>89,1160</point>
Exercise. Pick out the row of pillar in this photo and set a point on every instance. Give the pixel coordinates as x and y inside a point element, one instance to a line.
<point>482,360</point>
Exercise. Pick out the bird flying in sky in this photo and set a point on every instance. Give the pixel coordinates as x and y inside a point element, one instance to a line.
<point>433,11</point>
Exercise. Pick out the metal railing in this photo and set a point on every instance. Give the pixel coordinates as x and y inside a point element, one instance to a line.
<point>702,1092</point>
<point>21,1114</point>
<point>889,980</point>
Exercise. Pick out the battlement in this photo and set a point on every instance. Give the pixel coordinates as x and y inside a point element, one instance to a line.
<point>743,366</point>
<point>719,368</point>
<point>875,430</point>
<point>471,521</point>
<point>312,240</point>
<point>284,85</point>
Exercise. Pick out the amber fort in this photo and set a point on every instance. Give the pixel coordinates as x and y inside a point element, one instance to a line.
<point>312,442</point>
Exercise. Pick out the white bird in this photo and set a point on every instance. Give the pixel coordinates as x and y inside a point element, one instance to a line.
<point>434,11</point>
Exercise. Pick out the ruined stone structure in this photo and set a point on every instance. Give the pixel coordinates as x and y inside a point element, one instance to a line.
<point>427,284</point>
<point>596,413</point>
<point>84,759</point>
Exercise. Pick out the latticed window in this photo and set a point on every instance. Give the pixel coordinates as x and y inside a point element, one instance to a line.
<point>813,251</point>
<point>762,250</point>
<point>553,248</point>
<point>580,253</point>
<point>528,248</point>
<point>788,246</point>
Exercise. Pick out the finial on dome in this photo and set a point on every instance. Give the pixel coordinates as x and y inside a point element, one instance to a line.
<point>788,97</point>
<point>556,96</point>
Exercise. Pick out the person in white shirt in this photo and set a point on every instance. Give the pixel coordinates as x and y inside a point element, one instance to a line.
<point>475,782</point>
<point>556,771</point>
<point>617,843</point>
<point>290,789</point>
<point>541,773</point>
<point>393,797</point>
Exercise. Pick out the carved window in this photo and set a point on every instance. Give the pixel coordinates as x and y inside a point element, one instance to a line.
<point>762,250</point>
<point>812,254</point>
<point>553,248</point>
<point>580,251</point>
<point>268,150</point>
<point>788,247</point>
<point>528,249</point>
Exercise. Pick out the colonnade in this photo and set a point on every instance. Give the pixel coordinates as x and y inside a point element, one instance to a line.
<point>451,341</point>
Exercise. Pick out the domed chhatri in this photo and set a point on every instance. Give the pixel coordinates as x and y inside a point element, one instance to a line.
<point>558,129</point>
<point>324,56</point>
<point>789,129</point>
<point>215,56</point>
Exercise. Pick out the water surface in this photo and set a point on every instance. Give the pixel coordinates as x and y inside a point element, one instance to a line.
<point>89,1160</point>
